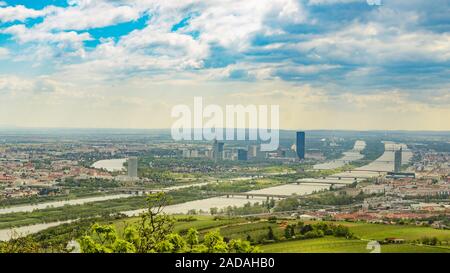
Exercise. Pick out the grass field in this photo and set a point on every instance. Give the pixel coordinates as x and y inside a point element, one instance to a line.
<point>240,228</point>
<point>320,245</point>
<point>381,232</point>
<point>340,245</point>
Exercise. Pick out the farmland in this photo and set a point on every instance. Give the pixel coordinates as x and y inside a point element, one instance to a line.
<point>256,230</point>
<point>339,245</point>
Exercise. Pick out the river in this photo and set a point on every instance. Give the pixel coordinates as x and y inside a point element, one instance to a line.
<point>56,204</point>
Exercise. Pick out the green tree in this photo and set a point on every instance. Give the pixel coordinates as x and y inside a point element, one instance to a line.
<point>154,225</point>
<point>270,235</point>
<point>213,211</point>
<point>154,233</point>
<point>239,246</point>
<point>192,237</point>
<point>214,242</point>
<point>19,244</point>
<point>287,233</point>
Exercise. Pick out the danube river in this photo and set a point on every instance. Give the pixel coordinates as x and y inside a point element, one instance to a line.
<point>56,204</point>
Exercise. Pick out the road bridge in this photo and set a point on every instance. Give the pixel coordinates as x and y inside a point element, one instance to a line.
<point>250,195</point>
<point>312,181</point>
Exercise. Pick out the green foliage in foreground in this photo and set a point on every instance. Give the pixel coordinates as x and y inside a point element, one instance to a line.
<point>154,234</point>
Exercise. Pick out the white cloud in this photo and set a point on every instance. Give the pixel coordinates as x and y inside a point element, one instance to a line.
<point>374,43</point>
<point>21,13</point>
<point>331,2</point>
<point>138,75</point>
<point>89,14</point>
<point>65,41</point>
<point>232,24</point>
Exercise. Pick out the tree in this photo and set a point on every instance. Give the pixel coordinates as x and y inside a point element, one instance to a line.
<point>239,246</point>
<point>270,235</point>
<point>154,225</point>
<point>153,233</point>
<point>342,231</point>
<point>19,244</point>
<point>213,211</point>
<point>192,237</point>
<point>271,204</point>
<point>289,231</point>
<point>305,229</point>
<point>123,246</point>
<point>178,242</point>
<point>214,242</point>
<point>288,204</point>
<point>149,235</point>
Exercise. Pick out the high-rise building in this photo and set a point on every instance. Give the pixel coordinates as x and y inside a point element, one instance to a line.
<point>194,153</point>
<point>218,150</point>
<point>300,145</point>
<point>132,166</point>
<point>398,161</point>
<point>242,154</point>
<point>186,153</point>
<point>253,151</point>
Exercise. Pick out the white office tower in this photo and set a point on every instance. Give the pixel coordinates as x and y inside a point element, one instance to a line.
<point>194,153</point>
<point>186,153</point>
<point>132,166</point>
<point>253,151</point>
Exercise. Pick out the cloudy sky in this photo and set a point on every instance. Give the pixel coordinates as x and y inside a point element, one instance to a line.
<point>329,64</point>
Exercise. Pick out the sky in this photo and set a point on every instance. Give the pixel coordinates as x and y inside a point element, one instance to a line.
<point>328,64</point>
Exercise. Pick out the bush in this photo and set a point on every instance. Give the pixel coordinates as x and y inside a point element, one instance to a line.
<point>313,234</point>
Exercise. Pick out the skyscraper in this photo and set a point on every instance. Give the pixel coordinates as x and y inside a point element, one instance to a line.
<point>132,166</point>
<point>218,150</point>
<point>242,154</point>
<point>398,161</point>
<point>300,145</point>
<point>253,151</point>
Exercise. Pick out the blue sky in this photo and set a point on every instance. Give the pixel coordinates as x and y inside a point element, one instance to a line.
<point>329,64</point>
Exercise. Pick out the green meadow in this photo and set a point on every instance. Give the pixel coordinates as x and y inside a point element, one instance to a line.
<point>256,231</point>
<point>340,245</point>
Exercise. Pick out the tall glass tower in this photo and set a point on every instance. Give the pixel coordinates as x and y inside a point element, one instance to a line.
<point>218,150</point>
<point>398,161</point>
<point>300,144</point>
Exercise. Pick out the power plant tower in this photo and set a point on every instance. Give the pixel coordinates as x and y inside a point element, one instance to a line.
<point>398,161</point>
<point>132,167</point>
<point>300,145</point>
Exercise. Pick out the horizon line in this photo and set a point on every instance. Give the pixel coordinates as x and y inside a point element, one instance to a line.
<point>224,128</point>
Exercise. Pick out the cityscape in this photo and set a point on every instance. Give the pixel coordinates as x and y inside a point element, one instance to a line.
<point>248,128</point>
<point>385,180</point>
